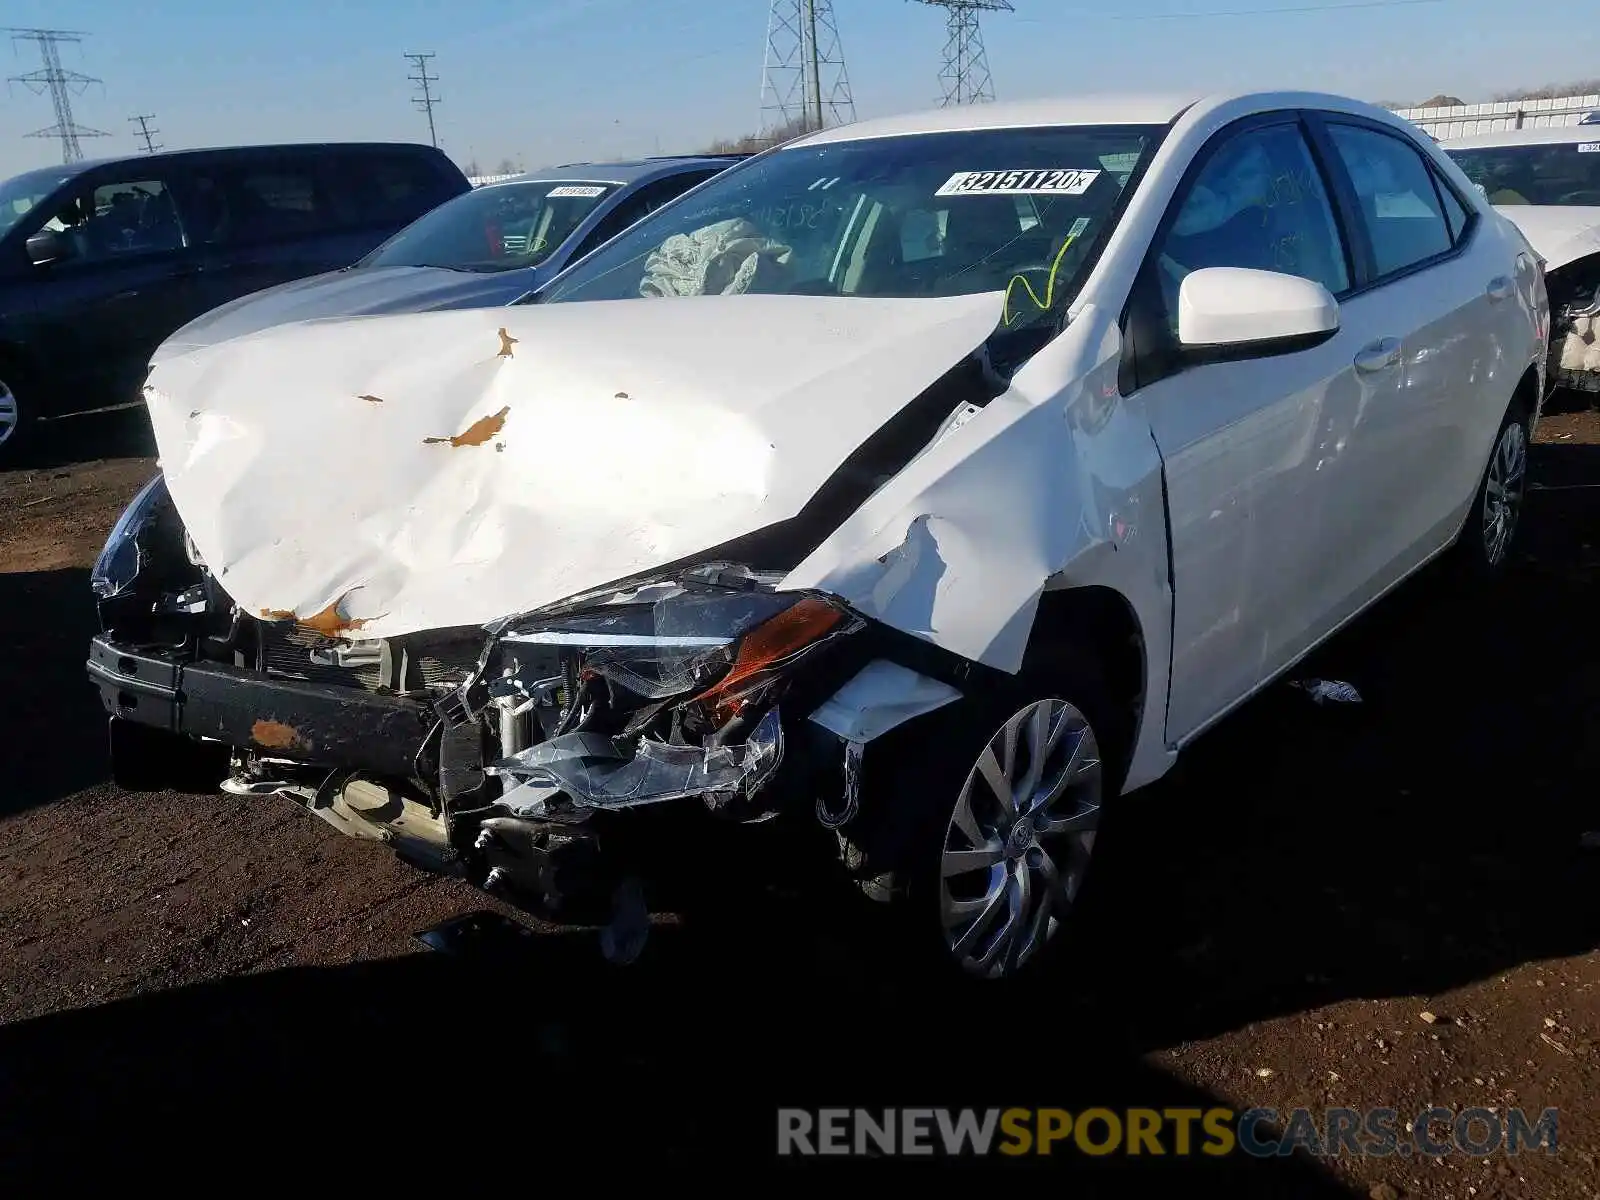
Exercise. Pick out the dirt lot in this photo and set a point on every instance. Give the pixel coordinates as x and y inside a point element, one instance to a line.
<point>1272,923</point>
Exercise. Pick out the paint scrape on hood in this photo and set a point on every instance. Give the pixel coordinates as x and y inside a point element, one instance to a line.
<point>386,475</point>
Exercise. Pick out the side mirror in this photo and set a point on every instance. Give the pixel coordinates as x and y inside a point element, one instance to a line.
<point>1262,311</point>
<point>48,246</point>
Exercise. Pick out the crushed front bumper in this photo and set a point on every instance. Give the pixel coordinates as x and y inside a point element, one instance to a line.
<point>301,722</point>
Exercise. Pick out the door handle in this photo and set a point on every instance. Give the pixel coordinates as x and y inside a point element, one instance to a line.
<point>1500,288</point>
<point>1379,355</point>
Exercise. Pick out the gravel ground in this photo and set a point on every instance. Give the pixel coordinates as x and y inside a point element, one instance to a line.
<point>1272,923</point>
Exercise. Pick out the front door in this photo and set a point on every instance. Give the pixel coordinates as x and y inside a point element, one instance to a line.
<point>125,285</point>
<point>1250,446</point>
<point>259,220</point>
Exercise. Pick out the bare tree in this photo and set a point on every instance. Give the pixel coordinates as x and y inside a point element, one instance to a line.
<point>752,142</point>
<point>1553,91</point>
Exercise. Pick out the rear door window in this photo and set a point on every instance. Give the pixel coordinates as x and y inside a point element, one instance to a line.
<point>250,201</point>
<point>1399,203</point>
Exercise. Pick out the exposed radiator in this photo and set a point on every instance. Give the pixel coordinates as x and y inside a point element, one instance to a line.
<point>287,653</point>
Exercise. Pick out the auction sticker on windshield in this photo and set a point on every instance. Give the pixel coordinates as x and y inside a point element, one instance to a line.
<point>1589,147</point>
<point>1068,182</point>
<point>569,189</point>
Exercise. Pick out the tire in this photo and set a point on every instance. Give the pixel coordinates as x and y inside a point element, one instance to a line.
<point>924,797</point>
<point>14,416</point>
<point>1483,548</point>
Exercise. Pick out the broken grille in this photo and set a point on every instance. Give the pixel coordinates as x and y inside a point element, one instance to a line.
<point>289,652</point>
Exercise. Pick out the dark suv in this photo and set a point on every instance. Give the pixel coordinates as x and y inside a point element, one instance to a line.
<point>100,261</point>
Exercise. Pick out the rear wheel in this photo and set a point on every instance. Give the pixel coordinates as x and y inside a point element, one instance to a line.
<point>1484,547</point>
<point>12,414</point>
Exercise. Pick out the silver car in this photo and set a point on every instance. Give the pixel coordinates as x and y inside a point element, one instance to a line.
<point>484,248</point>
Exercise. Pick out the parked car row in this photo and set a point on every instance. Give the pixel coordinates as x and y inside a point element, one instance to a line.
<point>106,266</point>
<point>100,261</point>
<point>967,467</point>
<point>1548,182</point>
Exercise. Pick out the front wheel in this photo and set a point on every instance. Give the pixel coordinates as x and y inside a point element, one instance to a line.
<point>1484,547</point>
<point>1018,840</point>
<point>985,821</point>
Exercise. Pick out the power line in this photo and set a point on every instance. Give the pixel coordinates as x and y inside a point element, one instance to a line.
<point>965,74</point>
<point>145,131</point>
<point>803,77</point>
<point>1272,12</point>
<point>427,100</point>
<point>59,82</point>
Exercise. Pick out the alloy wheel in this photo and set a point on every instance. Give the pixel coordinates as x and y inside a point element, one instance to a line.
<point>1019,841</point>
<point>1502,501</point>
<point>10,413</point>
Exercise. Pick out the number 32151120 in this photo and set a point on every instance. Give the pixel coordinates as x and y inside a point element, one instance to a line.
<point>1063,182</point>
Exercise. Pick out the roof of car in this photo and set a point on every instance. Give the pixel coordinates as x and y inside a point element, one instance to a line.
<point>1106,109</point>
<point>1547,136</point>
<point>629,171</point>
<point>68,170</point>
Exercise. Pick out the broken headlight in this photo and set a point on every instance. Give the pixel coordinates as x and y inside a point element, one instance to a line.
<point>121,558</point>
<point>658,690</point>
<point>714,635</point>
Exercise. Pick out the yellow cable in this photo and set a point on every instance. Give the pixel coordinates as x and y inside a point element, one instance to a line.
<point>1049,287</point>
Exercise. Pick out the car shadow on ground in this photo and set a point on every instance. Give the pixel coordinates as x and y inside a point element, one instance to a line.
<point>1422,839</point>
<point>52,729</point>
<point>552,1061</point>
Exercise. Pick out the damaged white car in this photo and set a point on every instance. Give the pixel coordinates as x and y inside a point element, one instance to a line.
<point>954,473</point>
<point>1548,182</point>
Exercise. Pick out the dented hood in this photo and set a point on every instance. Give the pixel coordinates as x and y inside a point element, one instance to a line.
<point>383,475</point>
<point>1559,233</point>
<point>352,292</point>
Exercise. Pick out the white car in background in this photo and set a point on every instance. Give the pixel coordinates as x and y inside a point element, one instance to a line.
<point>1548,182</point>
<point>911,490</point>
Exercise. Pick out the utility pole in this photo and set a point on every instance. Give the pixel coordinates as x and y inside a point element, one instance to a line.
<point>803,78</point>
<point>965,73</point>
<point>59,82</point>
<point>816,61</point>
<point>148,134</point>
<point>427,99</point>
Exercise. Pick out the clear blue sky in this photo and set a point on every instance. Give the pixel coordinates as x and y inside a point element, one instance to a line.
<point>545,81</point>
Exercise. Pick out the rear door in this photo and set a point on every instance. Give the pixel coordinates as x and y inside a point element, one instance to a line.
<point>1423,452</point>
<point>98,314</point>
<point>1256,449</point>
<point>261,219</point>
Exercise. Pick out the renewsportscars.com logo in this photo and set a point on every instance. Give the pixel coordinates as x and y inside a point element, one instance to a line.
<point>1212,1132</point>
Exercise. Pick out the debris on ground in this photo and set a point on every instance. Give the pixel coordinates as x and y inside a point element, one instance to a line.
<point>1322,691</point>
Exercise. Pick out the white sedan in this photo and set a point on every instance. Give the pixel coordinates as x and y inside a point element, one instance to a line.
<point>955,472</point>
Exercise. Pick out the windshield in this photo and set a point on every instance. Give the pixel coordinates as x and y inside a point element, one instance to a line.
<point>927,215</point>
<point>1554,173</point>
<point>19,194</point>
<point>496,228</point>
